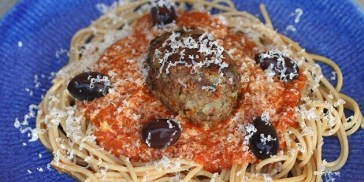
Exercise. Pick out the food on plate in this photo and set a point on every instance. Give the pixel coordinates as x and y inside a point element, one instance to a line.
<point>167,91</point>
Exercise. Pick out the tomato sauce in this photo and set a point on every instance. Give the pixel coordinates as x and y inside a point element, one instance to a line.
<point>119,116</point>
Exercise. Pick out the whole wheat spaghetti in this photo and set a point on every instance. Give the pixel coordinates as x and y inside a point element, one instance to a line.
<point>67,131</point>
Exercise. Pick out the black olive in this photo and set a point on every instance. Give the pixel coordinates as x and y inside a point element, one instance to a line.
<point>264,142</point>
<point>163,15</point>
<point>284,68</point>
<point>161,133</point>
<point>89,86</point>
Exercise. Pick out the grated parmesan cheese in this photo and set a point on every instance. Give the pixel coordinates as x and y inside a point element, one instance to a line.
<point>162,3</point>
<point>329,176</point>
<point>61,52</point>
<point>290,28</point>
<point>265,117</point>
<point>206,45</point>
<point>166,164</point>
<point>267,178</point>
<point>24,127</point>
<point>249,132</point>
<point>298,13</point>
<point>333,76</point>
<point>339,102</point>
<point>49,167</point>
<point>209,88</point>
<point>29,91</point>
<point>264,139</point>
<point>20,44</point>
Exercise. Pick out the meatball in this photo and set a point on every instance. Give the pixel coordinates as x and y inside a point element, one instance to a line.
<point>193,76</point>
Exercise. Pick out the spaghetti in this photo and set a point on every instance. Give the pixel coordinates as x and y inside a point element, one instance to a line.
<point>66,131</point>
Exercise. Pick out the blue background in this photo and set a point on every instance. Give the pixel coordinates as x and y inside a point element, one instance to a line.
<point>331,28</point>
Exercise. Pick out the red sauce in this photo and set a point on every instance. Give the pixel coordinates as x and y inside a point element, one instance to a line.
<point>120,115</point>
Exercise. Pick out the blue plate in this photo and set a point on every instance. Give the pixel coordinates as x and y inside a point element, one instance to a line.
<point>35,30</point>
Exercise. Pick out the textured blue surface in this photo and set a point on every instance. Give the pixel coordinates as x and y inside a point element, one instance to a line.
<point>331,28</point>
